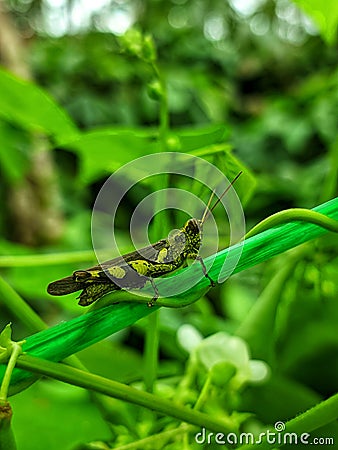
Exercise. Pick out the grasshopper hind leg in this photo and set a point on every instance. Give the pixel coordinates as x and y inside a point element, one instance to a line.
<point>156,293</point>
<point>94,291</point>
<point>205,273</point>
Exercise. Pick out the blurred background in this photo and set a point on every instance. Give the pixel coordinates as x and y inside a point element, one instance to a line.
<point>260,75</point>
<point>259,67</point>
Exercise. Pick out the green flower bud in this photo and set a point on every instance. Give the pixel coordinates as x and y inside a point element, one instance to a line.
<point>149,49</point>
<point>221,373</point>
<point>155,90</point>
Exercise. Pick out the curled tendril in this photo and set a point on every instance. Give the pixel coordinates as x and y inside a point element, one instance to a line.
<point>294,215</point>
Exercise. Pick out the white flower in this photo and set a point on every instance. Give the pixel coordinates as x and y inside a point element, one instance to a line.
<point>222,347</point>
<point>189,337</point>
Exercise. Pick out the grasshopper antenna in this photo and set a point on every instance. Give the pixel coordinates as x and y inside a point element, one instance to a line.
<point>208,211</point>
<point>207,207</point>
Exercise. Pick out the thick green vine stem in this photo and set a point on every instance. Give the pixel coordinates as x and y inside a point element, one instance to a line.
<point>294,215</point>
<point>126,393</point>
<point>67,338</point>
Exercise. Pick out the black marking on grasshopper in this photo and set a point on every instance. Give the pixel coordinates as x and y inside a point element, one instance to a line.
<point>134,269</point>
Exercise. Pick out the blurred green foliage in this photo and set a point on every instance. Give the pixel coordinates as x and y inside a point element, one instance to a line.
<point>254,89</point>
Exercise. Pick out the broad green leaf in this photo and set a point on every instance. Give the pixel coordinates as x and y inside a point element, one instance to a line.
<point>13,157</point>
<point>195,138</point>
<point>25,104</point>
<point>102,152</point>
<point>324,14</point>
<point>222,157</point>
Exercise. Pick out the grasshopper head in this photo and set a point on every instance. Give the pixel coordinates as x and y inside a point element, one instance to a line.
<point>193,227</point>
<point>193,232</point>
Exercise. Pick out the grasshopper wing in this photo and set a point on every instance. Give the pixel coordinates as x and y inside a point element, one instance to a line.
<point>72,283</point>
<point>64,286</point>
<point>148,253</point>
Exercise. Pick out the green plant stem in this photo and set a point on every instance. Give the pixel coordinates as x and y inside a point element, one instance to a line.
<point>164,112</point>
<point>16,351</point>
<point>46,259</point>
<point>151,352</point>
<point>20,308</point>
<point>202,398</point>
<point>321,414</point>
<point>293,215</point>
<point>126,393</point>
<point>152,331</point>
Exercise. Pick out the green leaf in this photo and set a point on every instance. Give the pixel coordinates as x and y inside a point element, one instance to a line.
<point>195,138</point>
<point>13,158</point>
<point>324,14</point>
<point>25,104</point>
<point>260,320</point>
<point>6,339</point>
<point>226,161</point>
<point>104,151</point>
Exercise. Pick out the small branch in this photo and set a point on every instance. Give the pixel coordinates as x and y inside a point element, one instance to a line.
<point>126,393</point>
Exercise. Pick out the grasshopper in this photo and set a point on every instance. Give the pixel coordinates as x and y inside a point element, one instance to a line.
<point>133,270</point>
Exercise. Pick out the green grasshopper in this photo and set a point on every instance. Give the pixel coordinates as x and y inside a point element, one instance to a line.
<point>133,270</point>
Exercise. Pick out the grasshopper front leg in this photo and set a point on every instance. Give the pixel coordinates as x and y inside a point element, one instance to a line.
<point>157,294</point>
